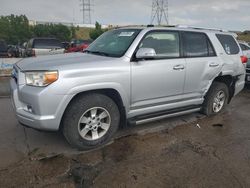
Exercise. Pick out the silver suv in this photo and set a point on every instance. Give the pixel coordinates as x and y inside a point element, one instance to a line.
<point>133,75</point>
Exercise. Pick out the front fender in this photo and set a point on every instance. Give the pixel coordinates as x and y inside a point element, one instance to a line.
<point>100,86</point>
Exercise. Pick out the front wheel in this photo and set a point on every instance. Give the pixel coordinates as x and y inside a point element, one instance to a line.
<point>90,121</point>
<point>216,99</point>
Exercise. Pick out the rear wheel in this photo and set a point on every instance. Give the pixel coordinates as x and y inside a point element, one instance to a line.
<point>216,99</point>
<point>90,121</point>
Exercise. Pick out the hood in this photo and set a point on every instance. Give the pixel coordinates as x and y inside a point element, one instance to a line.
<point>58,61</point>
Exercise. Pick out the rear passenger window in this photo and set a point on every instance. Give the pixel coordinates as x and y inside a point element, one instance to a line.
<point>197,45</point>
<point>229,44</point>
<point>165,44</point>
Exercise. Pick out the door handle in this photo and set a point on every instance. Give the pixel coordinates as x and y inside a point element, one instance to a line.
<point>178,67</point>
<point>213,64</point>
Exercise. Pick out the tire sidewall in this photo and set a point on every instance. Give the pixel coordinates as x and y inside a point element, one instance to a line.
<point>216,87</point>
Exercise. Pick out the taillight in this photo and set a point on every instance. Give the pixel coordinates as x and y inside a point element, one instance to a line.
<point>33,53</point>
<point>244,59</point>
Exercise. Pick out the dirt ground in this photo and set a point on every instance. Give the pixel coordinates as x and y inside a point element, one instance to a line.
<point>198,152</point>
<point>4,86</point>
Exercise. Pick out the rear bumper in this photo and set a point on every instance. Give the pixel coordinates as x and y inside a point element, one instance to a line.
<point>21,100</point>
<point>240,84</point>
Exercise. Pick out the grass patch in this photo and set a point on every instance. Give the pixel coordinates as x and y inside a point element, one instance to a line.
<point>244,36</point>
<point>83,33</point>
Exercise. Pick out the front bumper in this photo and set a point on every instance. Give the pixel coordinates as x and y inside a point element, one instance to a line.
<point>36,109</point>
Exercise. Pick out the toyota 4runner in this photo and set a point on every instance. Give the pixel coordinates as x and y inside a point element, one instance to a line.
<point>133,75</point>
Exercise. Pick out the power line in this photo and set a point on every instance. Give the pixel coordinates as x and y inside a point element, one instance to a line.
<point>85,7</point>
<point>160,12</point>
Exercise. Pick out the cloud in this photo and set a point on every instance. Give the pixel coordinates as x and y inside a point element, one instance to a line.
<point>227,14</point>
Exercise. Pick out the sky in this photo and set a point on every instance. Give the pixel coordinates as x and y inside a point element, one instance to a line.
<point>224,14</point>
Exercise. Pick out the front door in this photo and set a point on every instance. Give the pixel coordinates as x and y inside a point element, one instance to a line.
<point>159,80</point>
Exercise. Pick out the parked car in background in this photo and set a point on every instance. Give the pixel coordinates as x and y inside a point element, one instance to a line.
<point>78,45</point>
<point>248,73</point>
<point>43,46</point>
<point>66,45</point>
<point>246,51</point>
<point>245,48</point>
<point>134,75</point>
<point>13,51</point>
<point>22,49</point>
<point>3,49</point>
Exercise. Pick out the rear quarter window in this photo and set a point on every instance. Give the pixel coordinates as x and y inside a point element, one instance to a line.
<point>229,44</point>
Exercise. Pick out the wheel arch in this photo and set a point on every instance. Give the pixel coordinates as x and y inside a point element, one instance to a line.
<point>229,80</point>
<point>110,92</point>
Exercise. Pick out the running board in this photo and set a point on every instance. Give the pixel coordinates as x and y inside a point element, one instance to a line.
<point>147,120</point>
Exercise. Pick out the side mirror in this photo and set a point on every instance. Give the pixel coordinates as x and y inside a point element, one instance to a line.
<point>145,53</point>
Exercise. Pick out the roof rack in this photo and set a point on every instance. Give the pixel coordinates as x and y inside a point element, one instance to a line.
<point>201,28</point>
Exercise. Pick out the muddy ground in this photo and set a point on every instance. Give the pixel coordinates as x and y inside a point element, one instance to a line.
<point>170,153</point>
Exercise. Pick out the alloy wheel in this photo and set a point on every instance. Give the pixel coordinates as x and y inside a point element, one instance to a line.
<point>94,123</point>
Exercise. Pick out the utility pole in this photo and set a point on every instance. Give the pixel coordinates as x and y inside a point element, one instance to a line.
<point>85,7</point>
<point>160,12</point>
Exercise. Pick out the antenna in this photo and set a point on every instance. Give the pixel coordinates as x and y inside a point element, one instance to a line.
<point>86,11</point>
<point>160,12</point>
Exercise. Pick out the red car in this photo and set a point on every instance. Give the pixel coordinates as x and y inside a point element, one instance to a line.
<point>78,46</point>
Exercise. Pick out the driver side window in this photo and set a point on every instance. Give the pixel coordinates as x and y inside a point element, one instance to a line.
<point>165,43</point>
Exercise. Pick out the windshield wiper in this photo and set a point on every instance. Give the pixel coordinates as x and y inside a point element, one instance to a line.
<point>97,53</point>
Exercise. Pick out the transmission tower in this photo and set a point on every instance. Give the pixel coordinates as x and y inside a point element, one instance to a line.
<point>160,12</point>
<point>86,11</point>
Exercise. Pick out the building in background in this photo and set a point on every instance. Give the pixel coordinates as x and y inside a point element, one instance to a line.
<point>69,24</point>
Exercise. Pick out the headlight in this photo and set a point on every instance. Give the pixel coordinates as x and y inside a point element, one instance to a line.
<point>40,78</point>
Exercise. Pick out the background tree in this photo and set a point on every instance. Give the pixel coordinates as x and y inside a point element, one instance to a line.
<point>14,29</point>
<point>95,33</point>
<point>59,31</point>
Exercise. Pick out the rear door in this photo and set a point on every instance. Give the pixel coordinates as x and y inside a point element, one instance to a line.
<point>202,63</point>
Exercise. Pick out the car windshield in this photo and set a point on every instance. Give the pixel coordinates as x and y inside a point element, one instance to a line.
<point>113,43</point>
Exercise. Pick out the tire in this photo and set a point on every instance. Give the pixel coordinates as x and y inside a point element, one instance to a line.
<point>216,89</point>
<point>79,120</point>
